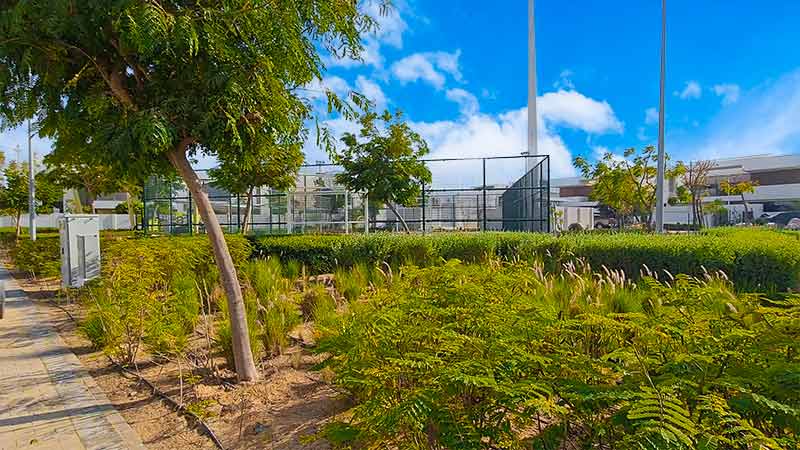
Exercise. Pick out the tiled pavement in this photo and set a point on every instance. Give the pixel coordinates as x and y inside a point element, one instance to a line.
<point>47,400</point>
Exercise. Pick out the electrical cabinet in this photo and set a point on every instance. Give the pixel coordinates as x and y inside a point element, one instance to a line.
<point>80,248</point>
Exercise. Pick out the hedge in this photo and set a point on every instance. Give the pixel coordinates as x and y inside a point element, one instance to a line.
<point>756,259</point>
<point>173,256</point>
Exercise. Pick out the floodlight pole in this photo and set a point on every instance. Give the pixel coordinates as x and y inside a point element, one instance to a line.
<point>661,154</point>
<point>532,123</point>
<point>31,188</point>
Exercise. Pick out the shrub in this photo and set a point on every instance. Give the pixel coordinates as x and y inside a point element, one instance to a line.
<point>756,259</point>
<point>500,355</point>
<point>351,283</point>
<point>41,258</point>
<point>148,293</point>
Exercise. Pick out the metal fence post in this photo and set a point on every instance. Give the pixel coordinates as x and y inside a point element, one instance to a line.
<point>484,194</point>
<point>144,207</point>
<point>424,225</point>
<point>346,214</point>
<point>366,213</point>
<point>239,213</point>
<point>189,214</point>
<point>289,213</point>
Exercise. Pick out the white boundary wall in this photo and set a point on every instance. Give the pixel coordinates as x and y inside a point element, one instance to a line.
<point>107,221</point>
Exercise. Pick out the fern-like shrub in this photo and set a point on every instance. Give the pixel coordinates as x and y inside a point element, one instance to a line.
<point>149,294</point>
<point>506,356</point>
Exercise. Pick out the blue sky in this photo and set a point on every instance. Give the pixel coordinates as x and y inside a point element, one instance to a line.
<point>458,70</point>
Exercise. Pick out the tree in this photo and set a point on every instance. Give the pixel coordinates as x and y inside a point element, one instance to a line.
<point>716,209</point>
<point>14,199</point>
<point>740,188</point>
<point>695,183</point>
<point>383,160</point>
<point>70,171</point>
<point>273,167</point>
<point>626,184</point>
<point>145,86</point>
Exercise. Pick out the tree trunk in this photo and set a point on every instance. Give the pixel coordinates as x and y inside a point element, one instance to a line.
<point>131,212</point>
<point>19,224</point>
<point>242,354</point>
<point>399,217</point>
<point>77,199</point>
<point>746,211</point>
<point>248,210</point>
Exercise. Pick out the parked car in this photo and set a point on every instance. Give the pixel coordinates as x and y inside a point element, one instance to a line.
<point>782,220</point>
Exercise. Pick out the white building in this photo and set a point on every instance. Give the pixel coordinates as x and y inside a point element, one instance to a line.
<point>776,196</point>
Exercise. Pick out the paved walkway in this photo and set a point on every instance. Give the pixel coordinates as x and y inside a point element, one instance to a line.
<point>47,400</point>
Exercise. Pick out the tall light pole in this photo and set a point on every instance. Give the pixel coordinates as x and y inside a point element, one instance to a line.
<point>661,156</point>
<point>31,188</point>
<point>532,124</point>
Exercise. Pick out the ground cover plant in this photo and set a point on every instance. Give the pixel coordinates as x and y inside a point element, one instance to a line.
<point>504,355</point>
<point>755,259</point>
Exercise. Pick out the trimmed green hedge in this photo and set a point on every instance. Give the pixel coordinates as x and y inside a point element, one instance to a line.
<point>323,254</point>
<point>173,256</point>
<point>756,259</point>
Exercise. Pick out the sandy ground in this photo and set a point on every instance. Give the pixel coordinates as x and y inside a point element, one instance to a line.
<point>283,411</point>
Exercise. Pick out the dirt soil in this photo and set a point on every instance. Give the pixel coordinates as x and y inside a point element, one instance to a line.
<point>282,411</point>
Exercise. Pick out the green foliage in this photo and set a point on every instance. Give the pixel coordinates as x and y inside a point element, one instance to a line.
<point>756,260</point>
<point>626,185</point>
<point>148,295</point>
<point>383,160</point>
<point>40,258</point>
<point>505,355</point>
<point>14,192</point>
<point>351,283</point>
<point>124,83</point>
<point>274,305</point>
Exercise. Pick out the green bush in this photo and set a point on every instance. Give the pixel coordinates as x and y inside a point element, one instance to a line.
<point>41,258</point>
<point>756,259</point>
<point>149,293</point>
<point>505,355</point>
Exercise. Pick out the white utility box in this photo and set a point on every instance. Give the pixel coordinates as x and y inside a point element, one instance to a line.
<point>80,248</point>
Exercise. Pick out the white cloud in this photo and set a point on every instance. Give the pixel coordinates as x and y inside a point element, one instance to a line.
<point>372,91</point>
<point>650,116</point>
<point>430,67</point>
<point>575,110</point>
<point>565,80</point>
<point>390,29</point>
<point>479,135</point>
<point>691,91</point>
<point>467,103</point>
<point>764,120</point>
<point>729,92</point>
<point>641,134</point>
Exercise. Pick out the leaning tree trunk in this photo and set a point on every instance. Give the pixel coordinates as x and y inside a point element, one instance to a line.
<point>18,225</point>
<point>248,211</point>
<point>399,217</point>
<point>242,354</point>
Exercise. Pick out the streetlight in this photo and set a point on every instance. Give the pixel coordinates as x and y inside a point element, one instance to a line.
<point>661,157</point>
<point>532,124</point>
<point>31,188</point>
